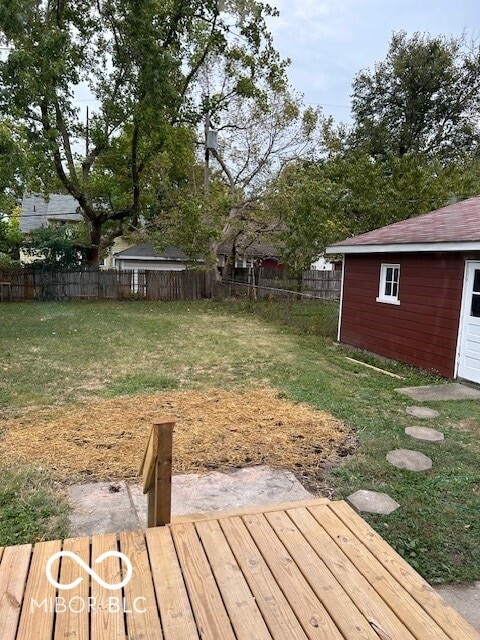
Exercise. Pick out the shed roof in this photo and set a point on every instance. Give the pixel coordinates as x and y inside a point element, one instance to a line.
<point>36,211</point>
<point>454,227</point>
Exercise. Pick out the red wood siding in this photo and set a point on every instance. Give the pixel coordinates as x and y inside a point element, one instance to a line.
<point>422,330</point>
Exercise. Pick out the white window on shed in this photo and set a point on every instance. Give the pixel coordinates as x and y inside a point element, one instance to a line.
<point>389,283</point>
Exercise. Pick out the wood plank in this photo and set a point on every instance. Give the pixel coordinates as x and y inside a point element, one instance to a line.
<point>240,604</point>
<point>106,620</point>
<point>245,511</point>
<point>149,459</point>
<point>73,622</point>
<point>340,607</point>
<point>446,617</point>
<point>162,488</point>
<point>310,612</point>
<point>13,576</point>
<point>405,607</point>
<point>367,600</point>
<point>38,609</point>
<point>172,598</point>
<point>210,615</point>
<point>140,604</point>
<point>289,607</point>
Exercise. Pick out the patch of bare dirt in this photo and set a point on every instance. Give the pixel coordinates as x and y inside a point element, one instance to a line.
<point>105,440</point>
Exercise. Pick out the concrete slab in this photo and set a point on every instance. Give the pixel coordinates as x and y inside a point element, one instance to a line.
<point>465,598</point>
<point>410,460</point>
<point>100,509</point>
<point>422,413</point>
<point>372,502</point>
<point>450,391</point>
<point>425,434</point>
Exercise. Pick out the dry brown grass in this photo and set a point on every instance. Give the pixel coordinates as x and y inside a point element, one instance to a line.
<point>215,429</point>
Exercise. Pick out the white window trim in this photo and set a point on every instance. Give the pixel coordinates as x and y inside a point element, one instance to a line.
<point>381,289</point>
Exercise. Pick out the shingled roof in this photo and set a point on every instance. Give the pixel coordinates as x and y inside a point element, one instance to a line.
<point>454,227</point>
<point>36,211</point>
<point>148,251</point>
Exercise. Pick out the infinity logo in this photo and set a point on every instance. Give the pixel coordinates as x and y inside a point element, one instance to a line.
<point>95,576</point>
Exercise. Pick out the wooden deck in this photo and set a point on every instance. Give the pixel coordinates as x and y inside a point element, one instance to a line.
<point>312,569</point>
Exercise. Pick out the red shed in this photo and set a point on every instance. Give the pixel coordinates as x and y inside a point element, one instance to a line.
<point>411,291</point>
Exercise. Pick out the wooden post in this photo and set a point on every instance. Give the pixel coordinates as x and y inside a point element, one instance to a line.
<point>156,470</point>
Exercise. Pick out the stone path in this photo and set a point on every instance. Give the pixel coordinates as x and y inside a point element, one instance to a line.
<point>410,460</point>
<point>381,503</point>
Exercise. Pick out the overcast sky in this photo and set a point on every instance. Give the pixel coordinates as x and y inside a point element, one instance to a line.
<point>329,41</point>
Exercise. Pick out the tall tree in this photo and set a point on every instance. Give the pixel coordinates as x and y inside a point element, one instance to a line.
<point>140,60</point>
<point>259,133</point>
<point>423,98</point>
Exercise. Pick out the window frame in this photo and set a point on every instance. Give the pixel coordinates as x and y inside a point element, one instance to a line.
<point>382,296</point>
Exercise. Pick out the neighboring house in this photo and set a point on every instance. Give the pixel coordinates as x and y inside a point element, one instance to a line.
<point>257,254</point>
<point>145,256</point>
<point>37,212</point>
<point>322,264</point>
<point>411,290</point>
<point>59,209</point>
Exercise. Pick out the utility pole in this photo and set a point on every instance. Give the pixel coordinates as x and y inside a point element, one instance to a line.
<point>207,155</point>
<point>87,136</point>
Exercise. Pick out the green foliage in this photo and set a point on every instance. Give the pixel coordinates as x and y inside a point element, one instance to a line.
<point>306,200</point>
<point>57,245</point>
<point>142,62</point>
<point>10,238</point>
<point>423,98</point>
<point>373,193</point>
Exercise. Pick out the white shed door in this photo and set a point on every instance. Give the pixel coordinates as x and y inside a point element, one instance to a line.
<point>469,356</point>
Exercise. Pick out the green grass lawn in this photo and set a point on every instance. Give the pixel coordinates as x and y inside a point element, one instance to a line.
<point>63,353</point>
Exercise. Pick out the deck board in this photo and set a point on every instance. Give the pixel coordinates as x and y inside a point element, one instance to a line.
<point>107,621</point>
<point>73,623</point>
<point>207,605</point>
<point>310,612</point>
<point>397,598</point>
<point>14,565</point>
<point>36,621</point>
<point>239,601</point>
<point>366,599</point>
<point>308,570</point>
<point>446,617</point>
<point>171,593</point>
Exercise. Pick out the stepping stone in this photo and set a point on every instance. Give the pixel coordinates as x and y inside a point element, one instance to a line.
<point>423,413</point>
<point>424,434</point>
<point>410,460</point>
<point>451,391</point>
<point>372,502</point>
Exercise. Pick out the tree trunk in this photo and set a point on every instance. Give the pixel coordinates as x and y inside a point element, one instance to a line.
<point>95,237</point>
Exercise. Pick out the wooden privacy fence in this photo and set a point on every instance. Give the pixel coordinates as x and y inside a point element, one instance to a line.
<point>272,283</point>
<point>96,284</point>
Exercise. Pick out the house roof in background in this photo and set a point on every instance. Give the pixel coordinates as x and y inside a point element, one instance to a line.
<point>36,211</point>
<point>147,250</point>
<point>447,228</point>
<point>255,250</point>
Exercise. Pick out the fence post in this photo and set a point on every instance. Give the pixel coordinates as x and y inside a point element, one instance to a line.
<point>156,470</point>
